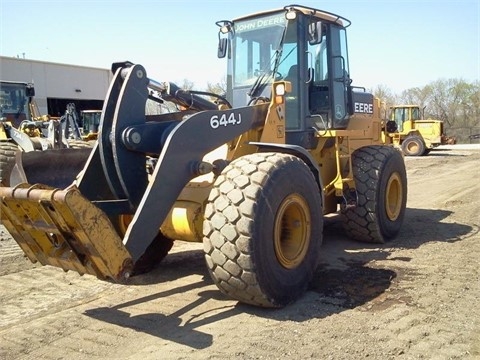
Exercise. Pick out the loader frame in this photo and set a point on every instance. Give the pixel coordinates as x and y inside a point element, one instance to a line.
<point>243,173</point>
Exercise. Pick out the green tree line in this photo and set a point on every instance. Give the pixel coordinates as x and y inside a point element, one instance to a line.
<point>454,101</point>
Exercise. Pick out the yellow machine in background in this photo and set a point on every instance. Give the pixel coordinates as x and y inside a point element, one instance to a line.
<point>412,133</point>
<point>26,135</point>
<point>90,123</point>
<point>251,174</point>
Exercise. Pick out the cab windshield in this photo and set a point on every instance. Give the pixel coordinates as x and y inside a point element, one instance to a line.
<point>260,49</point>
<point>13,100</point>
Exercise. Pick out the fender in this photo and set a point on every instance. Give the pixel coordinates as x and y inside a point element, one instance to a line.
<point>298,151</point>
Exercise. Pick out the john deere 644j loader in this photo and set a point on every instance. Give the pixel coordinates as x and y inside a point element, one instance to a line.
<point>250,174</point>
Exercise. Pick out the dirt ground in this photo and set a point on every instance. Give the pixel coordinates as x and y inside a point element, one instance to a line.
<point>415,298</point>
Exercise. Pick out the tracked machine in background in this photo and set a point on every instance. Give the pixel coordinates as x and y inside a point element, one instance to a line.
<point>251,174</point>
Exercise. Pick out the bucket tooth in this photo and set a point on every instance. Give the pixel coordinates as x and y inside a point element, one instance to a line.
<point>63,229</point>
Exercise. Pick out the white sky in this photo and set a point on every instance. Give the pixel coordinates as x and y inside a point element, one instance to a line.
<point>400,44</point>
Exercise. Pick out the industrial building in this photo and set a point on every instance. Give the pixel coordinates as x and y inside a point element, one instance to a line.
<point>57,85</point>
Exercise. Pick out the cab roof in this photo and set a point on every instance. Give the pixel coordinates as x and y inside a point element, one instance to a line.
<point>319,14</point>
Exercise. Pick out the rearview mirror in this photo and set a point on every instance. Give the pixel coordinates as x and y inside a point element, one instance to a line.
<point>222,47</point>
<point>315,32</point>
<point>30,90</point>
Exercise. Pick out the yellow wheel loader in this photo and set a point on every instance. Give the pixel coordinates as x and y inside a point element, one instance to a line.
<point>90,124</point>
<point>250,174</point>
<point>415,135</point>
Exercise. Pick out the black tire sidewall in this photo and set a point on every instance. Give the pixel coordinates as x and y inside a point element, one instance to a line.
<point>7,161</point>
<point>153,255</point>
<point>156,251</point>
<point>373,167</point>
<point>390,228</point>
<point>278,283</point>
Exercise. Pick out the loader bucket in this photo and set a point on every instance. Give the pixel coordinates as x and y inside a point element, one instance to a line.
<point>57,168</point>
<point>63,229</point>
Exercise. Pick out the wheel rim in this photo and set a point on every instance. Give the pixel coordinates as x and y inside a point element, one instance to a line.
<point>123,221</point>
<point>292,231</point>
<point>394,197</point>
<point>412,147</point>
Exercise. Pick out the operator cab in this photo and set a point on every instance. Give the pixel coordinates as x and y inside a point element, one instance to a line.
<point>402,114</point>
<point>14,101</point>
<point>302,45</point>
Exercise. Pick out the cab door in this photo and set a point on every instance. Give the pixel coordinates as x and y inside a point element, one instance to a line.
<point>340,79</point>
<point>330,79</point>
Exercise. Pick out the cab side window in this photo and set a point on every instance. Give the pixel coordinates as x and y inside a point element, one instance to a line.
<point>318,88</point>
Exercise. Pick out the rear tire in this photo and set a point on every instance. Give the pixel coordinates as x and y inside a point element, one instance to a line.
<point>381,185</point>
<point>413,145</point>
<point>8,152</point>
<point>263,229</point>
<point>155,252</point>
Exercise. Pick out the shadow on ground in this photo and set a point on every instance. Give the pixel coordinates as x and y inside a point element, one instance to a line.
<point>344,280</point>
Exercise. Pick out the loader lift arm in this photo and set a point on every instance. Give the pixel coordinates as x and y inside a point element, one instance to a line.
<point>126,136</point>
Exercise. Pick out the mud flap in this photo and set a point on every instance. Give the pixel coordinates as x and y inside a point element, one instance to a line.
<point>63,229</point>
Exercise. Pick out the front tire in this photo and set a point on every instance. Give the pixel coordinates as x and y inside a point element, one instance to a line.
<point>263,229</point>
<point>381,185</point>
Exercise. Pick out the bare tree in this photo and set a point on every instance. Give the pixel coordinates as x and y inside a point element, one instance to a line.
<point>187,84</point>
<point>454,101</point>
<point>385,94</point>
<point>417,96</point>
<point>219,88</point>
